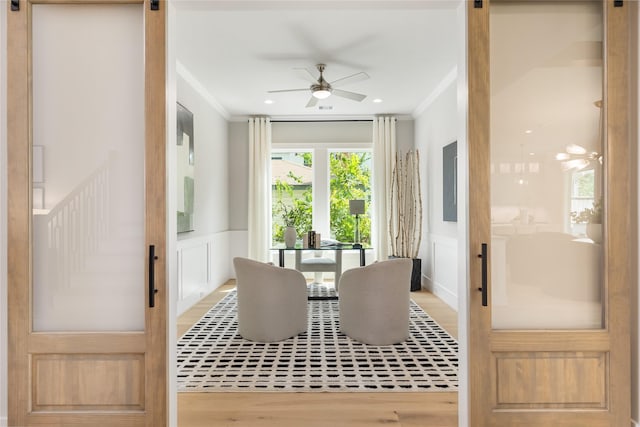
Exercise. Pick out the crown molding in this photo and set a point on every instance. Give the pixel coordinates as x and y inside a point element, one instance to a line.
<point>183,72</point>
<point>444,84</point>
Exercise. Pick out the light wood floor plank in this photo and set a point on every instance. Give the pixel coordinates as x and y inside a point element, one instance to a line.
<point>195,313</point>
<point>317,409</point>
<point>339,409</point>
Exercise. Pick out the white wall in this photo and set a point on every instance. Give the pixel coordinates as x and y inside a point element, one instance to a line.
<point>238,157</point>
<point>210,154</point>
<point>238,160</point>
<point>405,135</point>
<point>434,128</point>
<point>321,132</point>
<point>203,254</point>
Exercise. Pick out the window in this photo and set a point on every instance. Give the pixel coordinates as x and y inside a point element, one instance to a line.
<point>350,179</point>
<point>291,192</point>
<point>582,199</point>
<point>311,190</point>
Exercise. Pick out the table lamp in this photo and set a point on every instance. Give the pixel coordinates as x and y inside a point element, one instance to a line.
<point>356,207</point>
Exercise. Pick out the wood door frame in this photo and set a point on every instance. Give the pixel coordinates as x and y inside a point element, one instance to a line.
<point>616,333</point>
<point>19,235</point>
<point>479,219</point>
<point>156,208</point>
<point>19,228</point>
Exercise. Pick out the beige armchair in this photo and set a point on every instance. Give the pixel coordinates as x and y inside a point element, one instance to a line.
<point>374,302</point>
<point>272,301</point>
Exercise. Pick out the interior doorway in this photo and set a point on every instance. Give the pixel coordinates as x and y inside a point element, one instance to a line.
<point>453,82</point>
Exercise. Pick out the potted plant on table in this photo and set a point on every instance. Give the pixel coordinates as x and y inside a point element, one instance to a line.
<point>593,218</point>
<point>405,222</point>
<point>289,215</point>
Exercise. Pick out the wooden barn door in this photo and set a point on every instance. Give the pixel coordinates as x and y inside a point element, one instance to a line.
<point>86,204</point>
<point>549,213</point>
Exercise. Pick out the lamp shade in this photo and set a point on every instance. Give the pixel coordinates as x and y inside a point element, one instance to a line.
<point>356,207</point>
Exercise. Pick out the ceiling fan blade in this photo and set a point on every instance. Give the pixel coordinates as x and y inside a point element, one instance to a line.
<point>312,102</point>
<point>346,94</point>
<point>307,75</point>
<point>288,90</point>
<point>357,77</point>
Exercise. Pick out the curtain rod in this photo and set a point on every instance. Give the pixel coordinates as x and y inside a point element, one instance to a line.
<point>320,121</point>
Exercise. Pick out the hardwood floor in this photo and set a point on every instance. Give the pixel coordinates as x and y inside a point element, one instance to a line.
<point>257,409</point>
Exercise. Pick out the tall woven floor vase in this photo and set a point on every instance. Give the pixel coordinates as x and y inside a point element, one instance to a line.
<point>416,273</point>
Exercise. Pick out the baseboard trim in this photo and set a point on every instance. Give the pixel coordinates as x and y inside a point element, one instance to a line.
<point>634,423</point>
<point>441,292</point>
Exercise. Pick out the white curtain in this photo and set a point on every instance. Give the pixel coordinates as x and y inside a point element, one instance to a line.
<point>384,157</point>
<point>259,229</point>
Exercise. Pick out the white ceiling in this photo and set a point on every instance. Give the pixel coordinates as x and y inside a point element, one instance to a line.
<point>237,51</point>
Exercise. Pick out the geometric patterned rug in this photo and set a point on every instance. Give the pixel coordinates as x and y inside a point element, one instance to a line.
<point>213,357</point>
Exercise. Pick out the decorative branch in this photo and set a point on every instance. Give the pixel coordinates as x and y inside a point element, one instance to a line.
<point>405,219</point>
<point>392,219</point>
<point>416,246</point>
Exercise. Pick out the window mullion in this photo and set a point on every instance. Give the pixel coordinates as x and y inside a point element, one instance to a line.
<point>321,191</point>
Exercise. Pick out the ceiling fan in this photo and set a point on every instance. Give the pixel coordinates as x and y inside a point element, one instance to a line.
<point>576,156</point>
<point>321,89</point>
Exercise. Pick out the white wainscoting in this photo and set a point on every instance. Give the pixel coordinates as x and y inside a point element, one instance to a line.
<point>203,265</point>
<point>441,274</point>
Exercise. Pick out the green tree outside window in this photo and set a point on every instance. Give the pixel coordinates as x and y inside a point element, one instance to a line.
<point>350,180</point>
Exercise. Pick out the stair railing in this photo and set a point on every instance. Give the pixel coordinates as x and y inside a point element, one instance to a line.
<point>79,222</point>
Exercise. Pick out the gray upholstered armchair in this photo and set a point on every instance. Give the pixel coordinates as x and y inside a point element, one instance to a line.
<point>374,302</point>
<point>272,301</point>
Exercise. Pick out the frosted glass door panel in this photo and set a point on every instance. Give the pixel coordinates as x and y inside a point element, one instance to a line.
<point>546,165</point>
<point>88,168</point>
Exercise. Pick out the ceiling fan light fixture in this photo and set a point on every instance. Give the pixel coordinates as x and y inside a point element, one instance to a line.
<point>576,149</point>
<point>576,164</point>
<point>321,93</point>
<point>321,89</point>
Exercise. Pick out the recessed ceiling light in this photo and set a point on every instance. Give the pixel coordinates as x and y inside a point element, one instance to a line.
<point>528,131</point>
<point>268,101</point>
<point>377,100</point>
